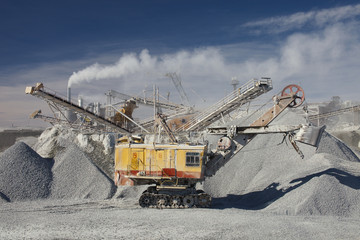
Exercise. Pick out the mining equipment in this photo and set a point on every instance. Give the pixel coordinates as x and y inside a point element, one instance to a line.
<point>173,169</point>
<point>191,120</point>
<point>85,119</point>
<point>127,109</point>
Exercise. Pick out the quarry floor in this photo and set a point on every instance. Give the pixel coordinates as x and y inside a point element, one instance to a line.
<point>124,219</point>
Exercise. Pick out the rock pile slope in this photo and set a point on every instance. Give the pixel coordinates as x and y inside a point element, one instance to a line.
<point>24,175</point>
<point>268,174</point>
<point>77,177</point>
<point>98,147</point>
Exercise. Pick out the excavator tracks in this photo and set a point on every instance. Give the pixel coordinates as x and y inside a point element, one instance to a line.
<point>157,200</point>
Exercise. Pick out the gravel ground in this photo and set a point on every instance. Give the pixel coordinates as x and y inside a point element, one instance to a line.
<point>123,220</point>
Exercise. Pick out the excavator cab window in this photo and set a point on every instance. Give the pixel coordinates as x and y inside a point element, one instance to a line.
<point>192,159</point>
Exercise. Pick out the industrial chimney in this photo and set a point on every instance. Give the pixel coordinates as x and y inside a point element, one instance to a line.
<point>69,94</point>
<point>80,101</point>
<point>69,114</point>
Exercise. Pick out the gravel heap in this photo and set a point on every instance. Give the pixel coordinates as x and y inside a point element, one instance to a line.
<point>270,175</point>
<point>24,175</point>
<point>333,191</point>
<point>350,137</point>
<point>99,147</point>
<point>77,177</point>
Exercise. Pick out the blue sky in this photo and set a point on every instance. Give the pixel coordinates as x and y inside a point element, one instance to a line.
<point>130,45</point>
<point>43,31</point>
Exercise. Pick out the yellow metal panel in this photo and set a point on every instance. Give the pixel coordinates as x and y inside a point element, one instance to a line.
<point>171,157</point>
<point>118,153</point>
<point>129,158</point>
<point>137,159</point>
<point>160,158</point>
<point>150,158</point>
<point>117,158</point>
<point>134,160</point>
<point>181,161</point>
<point>153,160</point>
<point>125,158</point>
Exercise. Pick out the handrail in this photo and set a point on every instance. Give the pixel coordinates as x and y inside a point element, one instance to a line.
<point>129,168</point>
<point>227,102</point>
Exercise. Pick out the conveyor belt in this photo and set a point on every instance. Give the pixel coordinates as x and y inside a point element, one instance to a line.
<point>55,99</point>
<point>334,113</point>
<point>240,96</point>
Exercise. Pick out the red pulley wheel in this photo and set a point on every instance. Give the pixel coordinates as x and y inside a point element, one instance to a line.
<point>296,90</point>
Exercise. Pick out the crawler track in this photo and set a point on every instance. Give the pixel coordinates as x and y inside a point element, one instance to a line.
<point>157,200</point>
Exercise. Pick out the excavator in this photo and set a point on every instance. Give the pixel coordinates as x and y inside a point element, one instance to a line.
<point>172,169</point>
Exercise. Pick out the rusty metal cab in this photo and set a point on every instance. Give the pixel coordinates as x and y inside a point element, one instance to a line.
<point>173,165</point>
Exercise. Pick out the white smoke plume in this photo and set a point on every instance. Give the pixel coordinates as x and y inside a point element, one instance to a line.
<point>134,66</point>
<point>127,64</point>
<point>323,62</point>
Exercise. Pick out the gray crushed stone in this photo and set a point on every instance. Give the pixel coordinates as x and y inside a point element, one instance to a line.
<point>332,191</point>
<point>24,175</point>
<point>332,145</point>
<point>77,177</point>
<point>4,198</point>
<point>129,192</point>
<point>269,175</point>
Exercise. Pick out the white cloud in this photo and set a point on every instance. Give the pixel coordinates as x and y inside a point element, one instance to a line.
<point>321,61</point>
<point>319,18</point>
<point>324,62</point>
<point>318,60</point>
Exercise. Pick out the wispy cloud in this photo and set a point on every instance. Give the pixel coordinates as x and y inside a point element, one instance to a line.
<point>320,61</point>
<point>319,18</point>
<point>324,62</point>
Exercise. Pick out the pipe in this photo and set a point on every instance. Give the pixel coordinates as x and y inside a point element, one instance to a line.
<point>80,101</point>
<point>69,94</point>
